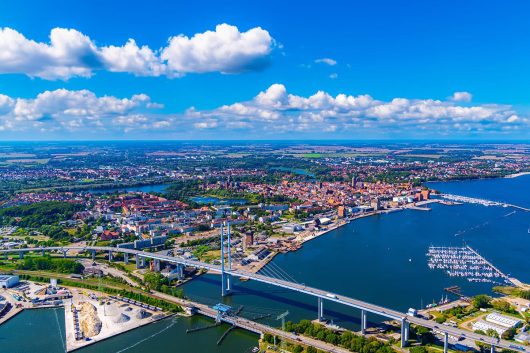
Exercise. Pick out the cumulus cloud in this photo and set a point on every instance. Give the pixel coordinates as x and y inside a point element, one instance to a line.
<point>274,112</point>
<point>461,97</point>
<point>71,53</point>
<point>225,50</point>
<point>327,61</point>
<point>277,111</point>
<point>81,110</point>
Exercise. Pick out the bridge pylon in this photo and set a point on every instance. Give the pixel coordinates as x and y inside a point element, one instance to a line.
<point>226,285</point>
<point>363,322</point>
<point>405,331</point>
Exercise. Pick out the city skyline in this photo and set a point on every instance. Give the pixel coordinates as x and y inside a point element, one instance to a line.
<point>233,72</point>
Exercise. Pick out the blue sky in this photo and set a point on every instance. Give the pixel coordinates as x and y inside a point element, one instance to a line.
<point>384,70</point>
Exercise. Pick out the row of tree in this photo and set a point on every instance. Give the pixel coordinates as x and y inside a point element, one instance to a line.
<point>346,339</point>
<point>50,264</point>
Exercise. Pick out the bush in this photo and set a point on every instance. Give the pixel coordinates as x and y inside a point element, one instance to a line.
<point>419,349</point>
<point>440,319</point>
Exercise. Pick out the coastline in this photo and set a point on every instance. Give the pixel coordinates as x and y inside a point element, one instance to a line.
<point>516,175</point>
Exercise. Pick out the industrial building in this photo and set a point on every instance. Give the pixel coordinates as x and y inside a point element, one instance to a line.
<point>8,281</point>
<point>484,326</point>
<point>495,321</point>
<point>503,320</point>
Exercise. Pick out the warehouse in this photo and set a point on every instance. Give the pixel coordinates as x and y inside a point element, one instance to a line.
<point>8,281</point>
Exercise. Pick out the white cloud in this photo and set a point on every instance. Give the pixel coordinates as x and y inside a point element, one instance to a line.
<point>277,111</point>
<point>225,50</point>
<point>133,59</point>
<point>461,97</point>
<point>273,112</point>
<point>73,110</point>
<point>70,53</point>
<point>333,75</point>
<point>327,61</point>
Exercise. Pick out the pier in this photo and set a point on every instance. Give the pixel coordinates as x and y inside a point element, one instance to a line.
<point>483,202</point>
<point>464,262</point>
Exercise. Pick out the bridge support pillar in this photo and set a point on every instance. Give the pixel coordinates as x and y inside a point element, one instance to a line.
<point>137,258</point>
<point>229,251</point>
<point>180,272</point>
<point>225,287</point>
<point>93,255</point>
<point>142,261</point>
<point>156,265</point>
<point>125,258</point>
<point>224,280</point>
<point>492,349</point>
<point>446,342</point>
<point>64,253</point>
<point>21,255</point>
<point>363,322</point>
<point>320,309</point>
<point>405,327</point>
<point>42,253</point>
<point>110,255</point>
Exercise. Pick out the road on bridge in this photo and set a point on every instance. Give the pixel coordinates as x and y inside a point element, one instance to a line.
<point>300,288</point>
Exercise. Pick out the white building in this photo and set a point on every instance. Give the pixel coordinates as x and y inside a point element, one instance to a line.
<point>292,227</point>
<point>8,281</point>
<point>484,326</point>
<point>503,320</point>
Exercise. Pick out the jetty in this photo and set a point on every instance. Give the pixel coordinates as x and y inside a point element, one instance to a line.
<point>464,262</point>
<point>483,202</point>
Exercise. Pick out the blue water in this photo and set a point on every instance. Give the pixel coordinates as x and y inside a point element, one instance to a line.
<point>43,331</point>
<point>511,190</point>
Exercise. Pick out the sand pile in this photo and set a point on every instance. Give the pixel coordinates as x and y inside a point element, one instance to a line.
<point>142,314</point>
<point>89,320</point>
<point>121,318</point>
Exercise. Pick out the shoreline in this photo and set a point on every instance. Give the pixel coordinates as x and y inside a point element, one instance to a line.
<point>516,175</point>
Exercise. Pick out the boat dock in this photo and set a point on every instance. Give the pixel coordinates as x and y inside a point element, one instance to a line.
<point>483,202</point>
<point>464,262</point>
<point>492,266</point>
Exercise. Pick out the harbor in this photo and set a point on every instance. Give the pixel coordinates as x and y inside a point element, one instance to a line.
<point>465,262</point>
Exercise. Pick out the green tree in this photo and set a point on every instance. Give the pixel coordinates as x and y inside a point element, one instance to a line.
<point>481,301</point>
<point>492,333</point>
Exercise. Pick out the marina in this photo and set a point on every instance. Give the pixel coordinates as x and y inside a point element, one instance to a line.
<point>464,262</point>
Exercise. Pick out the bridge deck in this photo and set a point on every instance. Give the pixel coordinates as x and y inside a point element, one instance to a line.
<point>315,292</point>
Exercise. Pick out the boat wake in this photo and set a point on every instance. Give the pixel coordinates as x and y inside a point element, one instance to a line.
<point>173,322</point>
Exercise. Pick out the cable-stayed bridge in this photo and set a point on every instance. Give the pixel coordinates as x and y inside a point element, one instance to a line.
<point>227,274</point>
